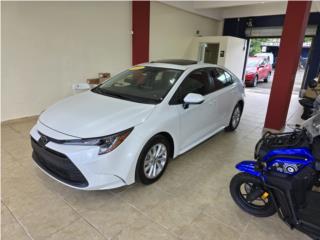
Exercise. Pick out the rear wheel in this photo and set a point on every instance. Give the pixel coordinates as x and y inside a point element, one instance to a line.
<point>235,118</point>
<point>249,194</point>
<point>267,78</point>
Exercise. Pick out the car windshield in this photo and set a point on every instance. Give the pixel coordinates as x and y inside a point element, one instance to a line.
<point>253,62</point>
<point>140,84</point>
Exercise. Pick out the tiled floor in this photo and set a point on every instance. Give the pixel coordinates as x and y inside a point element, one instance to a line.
<point>191,201</point>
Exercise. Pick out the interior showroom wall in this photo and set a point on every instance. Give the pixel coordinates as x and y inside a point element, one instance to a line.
<point>49,46</point>
<point>172,29</point>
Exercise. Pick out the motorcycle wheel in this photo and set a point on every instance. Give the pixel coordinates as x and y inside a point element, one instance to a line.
<point>248,193</point>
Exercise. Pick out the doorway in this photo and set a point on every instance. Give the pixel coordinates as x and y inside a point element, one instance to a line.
<point>209,53</point>
<point>268,47</point>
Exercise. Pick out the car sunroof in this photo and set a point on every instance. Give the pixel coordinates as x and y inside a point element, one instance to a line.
<point>176,61</point>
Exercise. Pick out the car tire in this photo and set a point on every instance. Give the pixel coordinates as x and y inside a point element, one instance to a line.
<point>235,118</point>
<point>267,78</point>
<point>235,190</point>
<point>149,163</point>
<point>255,81</point>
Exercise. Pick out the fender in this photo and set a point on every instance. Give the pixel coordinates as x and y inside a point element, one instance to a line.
<point>248,167</point>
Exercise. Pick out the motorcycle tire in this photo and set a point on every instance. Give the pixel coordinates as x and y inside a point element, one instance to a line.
<point>235,189</point>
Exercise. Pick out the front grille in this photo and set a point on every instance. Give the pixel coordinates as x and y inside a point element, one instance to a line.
<point>58,165</point>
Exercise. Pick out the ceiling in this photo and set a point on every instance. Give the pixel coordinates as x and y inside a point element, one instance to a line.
<point>231,9</point>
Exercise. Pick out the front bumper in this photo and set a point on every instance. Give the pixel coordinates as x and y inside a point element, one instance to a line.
<point>80,167</point>
<point>57,165</point>
<point>249,77</point>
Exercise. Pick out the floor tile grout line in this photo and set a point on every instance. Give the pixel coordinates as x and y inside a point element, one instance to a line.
<point>62,228</point>
<point>216,219</point>
<point>245,229</point>
<point>118,195</point>
<point>15,159</point>
<point>172,233</point>
<point>155,222</point>
<point>9,125</point>
<point>25,229</point>
<point>58,230</point>
<point>77,213</point>
<point>81,216</point>
<point>223,223</point>
<point>144,214</point>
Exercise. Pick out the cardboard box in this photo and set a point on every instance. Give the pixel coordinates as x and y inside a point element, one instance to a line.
<point>102,77</point>
<point>95,81</point>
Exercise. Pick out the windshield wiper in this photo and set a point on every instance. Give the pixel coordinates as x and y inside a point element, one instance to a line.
<point>112,94</point>
<point>117,95</point>
<point>125,97</point>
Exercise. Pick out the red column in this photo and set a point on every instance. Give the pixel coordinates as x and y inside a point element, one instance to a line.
<point>140,28</point>
<point>295,23</point>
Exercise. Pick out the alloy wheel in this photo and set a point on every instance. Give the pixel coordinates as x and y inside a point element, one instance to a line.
<point>155,160</point>
<point>255,81</point>
<point>236,117</point>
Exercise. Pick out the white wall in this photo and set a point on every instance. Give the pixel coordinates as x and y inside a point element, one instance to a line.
<point>231,46</point>
<point>48,46</point>
<point>172,31</point>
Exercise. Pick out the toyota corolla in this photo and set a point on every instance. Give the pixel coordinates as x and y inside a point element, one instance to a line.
<point>129,127</point>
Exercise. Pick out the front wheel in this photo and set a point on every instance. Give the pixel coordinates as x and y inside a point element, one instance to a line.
<point>153,159</point>
<point>249,194</point>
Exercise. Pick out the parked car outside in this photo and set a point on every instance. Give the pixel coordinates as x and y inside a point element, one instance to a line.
<point>258,68</point>
<point>130,126</point>
<point>268,56</point>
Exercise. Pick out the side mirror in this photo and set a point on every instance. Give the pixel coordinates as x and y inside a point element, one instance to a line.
<point>312,84</point>
<point>192,98</point>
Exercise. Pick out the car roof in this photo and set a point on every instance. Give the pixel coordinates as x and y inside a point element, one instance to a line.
<point>256,58</point>
<point>182,62</point>
<point>179,64</point>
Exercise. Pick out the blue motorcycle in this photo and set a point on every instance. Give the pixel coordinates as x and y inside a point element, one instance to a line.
<point>283,178</point>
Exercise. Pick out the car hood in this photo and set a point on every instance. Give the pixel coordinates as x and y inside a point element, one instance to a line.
<point>89,114</point>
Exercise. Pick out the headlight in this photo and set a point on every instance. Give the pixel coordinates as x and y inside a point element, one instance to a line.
<point>106,143</point>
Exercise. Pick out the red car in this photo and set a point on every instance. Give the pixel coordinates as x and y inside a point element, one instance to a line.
<point>258,68</point>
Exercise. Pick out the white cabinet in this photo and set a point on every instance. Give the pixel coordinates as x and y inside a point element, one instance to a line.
<point>229,52</point>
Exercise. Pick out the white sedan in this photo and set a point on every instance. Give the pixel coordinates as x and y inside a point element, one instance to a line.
<point>129,127</point>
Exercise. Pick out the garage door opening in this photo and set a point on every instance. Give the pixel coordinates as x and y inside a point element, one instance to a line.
<point>261,63</point>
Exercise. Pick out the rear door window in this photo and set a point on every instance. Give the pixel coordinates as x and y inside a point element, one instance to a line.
<point>221,78</point>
